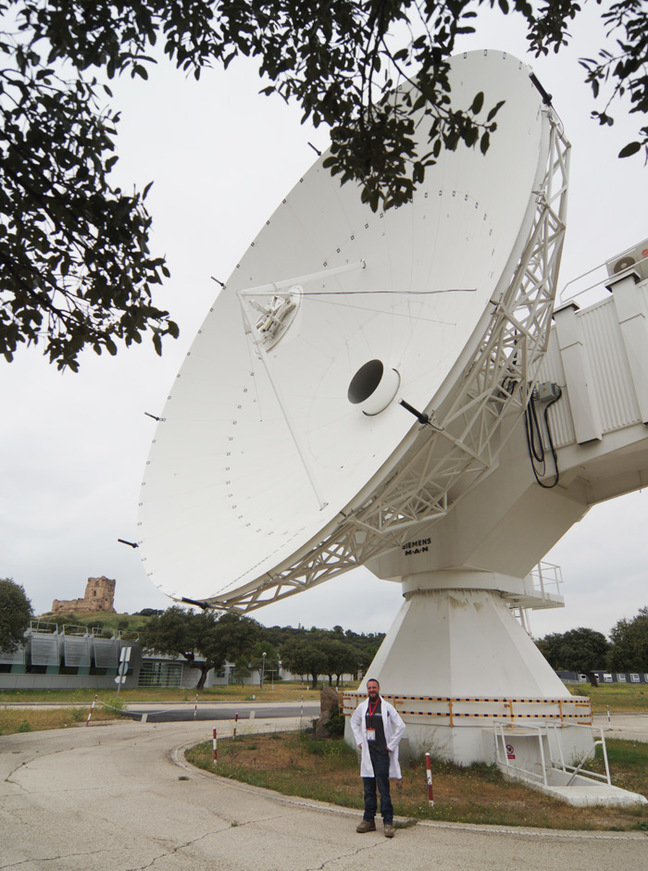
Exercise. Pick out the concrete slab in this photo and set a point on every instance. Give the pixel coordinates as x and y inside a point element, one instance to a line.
<point>596,795</point>
<point>632,727</point>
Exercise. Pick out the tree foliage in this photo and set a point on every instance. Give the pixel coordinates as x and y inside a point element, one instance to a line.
<point>75,266</point>
<point>326,652</point>
<point>269,663</point>
<point>581,650</point>
<point>620,72</point>
<point>305,657</point>
<point>341,658</point>
<point>629,649</point>
<point>204,640</point>
<point>15,613</point>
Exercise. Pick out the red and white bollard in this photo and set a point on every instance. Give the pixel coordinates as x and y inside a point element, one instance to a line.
<point>215,746</point>
<point>94,702</point>
<point>235,722</point>
<point>428,767</point>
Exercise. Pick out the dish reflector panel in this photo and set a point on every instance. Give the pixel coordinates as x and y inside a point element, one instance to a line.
<point>264,447</point>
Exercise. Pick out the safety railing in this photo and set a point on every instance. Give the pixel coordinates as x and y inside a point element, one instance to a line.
<point>505,733</point>
<point>465,711</point>
<point>547,579</point>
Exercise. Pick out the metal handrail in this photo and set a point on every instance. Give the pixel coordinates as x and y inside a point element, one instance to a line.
<point>543,730</point>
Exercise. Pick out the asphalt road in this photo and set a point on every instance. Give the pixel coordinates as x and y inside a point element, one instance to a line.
<point>172,713</point>
<point>121,798</point>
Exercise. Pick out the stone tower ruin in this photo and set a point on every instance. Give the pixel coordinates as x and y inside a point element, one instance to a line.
<point>99,596</point>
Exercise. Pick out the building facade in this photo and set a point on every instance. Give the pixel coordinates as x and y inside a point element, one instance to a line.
<point>70,657</point>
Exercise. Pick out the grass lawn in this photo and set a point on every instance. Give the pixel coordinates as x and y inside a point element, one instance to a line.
<point>77,703</point>
<point>295,764</point>
<point>280,692</point>
<point>619,697</point>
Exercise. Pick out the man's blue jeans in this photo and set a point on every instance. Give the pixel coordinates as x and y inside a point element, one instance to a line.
<point>380,762</point>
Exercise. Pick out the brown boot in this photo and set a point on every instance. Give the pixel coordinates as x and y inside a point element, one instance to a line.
<point>366,826</point>
<point>390,830</point>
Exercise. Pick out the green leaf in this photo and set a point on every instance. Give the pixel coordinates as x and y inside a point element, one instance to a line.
<point>630,149</point>
<point>493,112</point>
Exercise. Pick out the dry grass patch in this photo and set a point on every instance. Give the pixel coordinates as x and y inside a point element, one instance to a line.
<point>295,764</point>
<point>42,719</point>
<point>282,691</point>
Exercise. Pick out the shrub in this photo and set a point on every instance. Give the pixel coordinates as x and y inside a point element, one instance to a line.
<point>335,723</point>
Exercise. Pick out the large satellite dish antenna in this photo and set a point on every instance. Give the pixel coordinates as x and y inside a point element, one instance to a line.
<point>350,381</point>
<point>356,396</point>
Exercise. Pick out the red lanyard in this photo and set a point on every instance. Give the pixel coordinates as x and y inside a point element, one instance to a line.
<point>371,713</point>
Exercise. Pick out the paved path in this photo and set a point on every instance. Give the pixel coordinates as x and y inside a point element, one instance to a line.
<point>120,798</point>
<point>633,727</point>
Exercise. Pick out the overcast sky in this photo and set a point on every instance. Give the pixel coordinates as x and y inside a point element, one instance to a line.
<point>73,447</point>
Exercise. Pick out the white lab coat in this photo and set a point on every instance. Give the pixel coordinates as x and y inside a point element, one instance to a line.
<point>394,728</point>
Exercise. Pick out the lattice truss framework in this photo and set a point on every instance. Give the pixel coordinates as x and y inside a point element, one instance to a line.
<point>452,453</point>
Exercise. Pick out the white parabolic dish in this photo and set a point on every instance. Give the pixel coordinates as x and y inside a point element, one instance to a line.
<point>259,452</point>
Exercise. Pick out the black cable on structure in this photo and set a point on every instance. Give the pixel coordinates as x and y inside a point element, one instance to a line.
<point>203,605</point>
<point>535,444</point>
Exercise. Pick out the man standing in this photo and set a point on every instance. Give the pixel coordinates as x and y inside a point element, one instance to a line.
<point>377,728</point>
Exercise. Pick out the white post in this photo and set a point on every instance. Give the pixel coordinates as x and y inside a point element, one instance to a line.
<point>263,659</point>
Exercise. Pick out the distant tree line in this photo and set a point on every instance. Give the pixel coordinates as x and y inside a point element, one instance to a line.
<point>583,650</point>
<point>206,640</point>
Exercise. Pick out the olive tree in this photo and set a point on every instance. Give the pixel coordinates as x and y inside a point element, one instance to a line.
<point>629,648</point>
<point>580,650</point>
<point>203,639</point>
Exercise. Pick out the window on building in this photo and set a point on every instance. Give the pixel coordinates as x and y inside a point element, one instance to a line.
<point>160,674</point>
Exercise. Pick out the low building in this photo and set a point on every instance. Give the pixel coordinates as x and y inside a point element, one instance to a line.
<point>632,677</point>
<point>70,657</point>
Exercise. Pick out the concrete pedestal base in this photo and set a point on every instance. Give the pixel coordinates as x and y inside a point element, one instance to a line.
<point>456,661</point>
